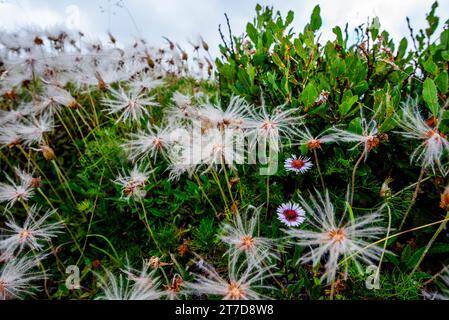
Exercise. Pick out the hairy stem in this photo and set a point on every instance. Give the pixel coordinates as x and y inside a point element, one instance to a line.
<point>415,195</point>
<point>353,176</point>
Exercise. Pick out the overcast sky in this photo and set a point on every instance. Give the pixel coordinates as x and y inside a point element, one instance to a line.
<point>181,20</point>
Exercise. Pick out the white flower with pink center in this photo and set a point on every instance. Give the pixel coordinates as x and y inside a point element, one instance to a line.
<point>291,214</point>
<point>298,164</point>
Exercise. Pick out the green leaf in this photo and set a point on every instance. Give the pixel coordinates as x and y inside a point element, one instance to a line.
<point>413,260</point>
<point>289,18</point>
<point>439,248</point>
<point>442,82</point>
<point>309,94</point>
<point>430,66</point>
<point>337,31</point>
<point>430,96</point>
<point>315,20</point>
<point>277,60</point>
<point>374,28</point>
<point>346,105</point>
<point>402,48</point>
<point>252,32</point>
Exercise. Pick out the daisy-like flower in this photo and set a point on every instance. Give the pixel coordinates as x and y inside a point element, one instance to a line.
<point>434,143</point>
<point>291,214</point>
<point>33,130</point>
<point>241,236</point>
<point>239,285</point>
<point>336,239</point>
<point>368,138</point>
<point>16,191</point>
<point>31,233</point>
<point>133,104</point>
<point>298,164</point>
<point>132,288</point>
<point>17,277</point>
<point>133,184</point>
<point>150,142</point>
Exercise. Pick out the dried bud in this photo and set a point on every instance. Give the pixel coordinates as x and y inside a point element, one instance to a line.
<point>385,190</point>
<point>10,94</point>
<point>373,142</point>
<point>313,144</point>
<point>235,207</point>
<point>322,98</point>
<point>102,86</point>
<point>175,287</point>
<point>432,121</point>
<point>183,248</point>
<point>383,137</point>
<point>13,143</point>
<point>234,181</point>
<point>36,182</point>
<point>154,262</point>
<point>47,152</point>
<point>204,44</point>
<point>112,38</point>
<point>73,104</point>
<point>96,264</point>
<point>444,202</point>
<point>38,41</point>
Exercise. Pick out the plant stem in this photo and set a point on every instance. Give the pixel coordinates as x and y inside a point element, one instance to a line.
<point>68,132</point>
<point>332,289</point>
<point>64,182</point>
<point>227,179</point>
<point>147,225</point>
<point>429,244</point>
<point>415,195</point>
<point>385,243</point>
<point>268,192</point>
<point>200,185</point>
<point>353,176</point>
<point>62,220</point>
<point>436,275</point>
<point>319,169</point>
<point>217,180</point>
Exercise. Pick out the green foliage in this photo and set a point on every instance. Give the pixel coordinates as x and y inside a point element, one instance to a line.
<point>336,83</point>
